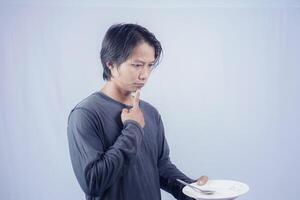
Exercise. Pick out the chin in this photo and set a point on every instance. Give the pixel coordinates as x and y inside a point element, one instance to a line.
<point>134,89</point>
<point>130,90</point>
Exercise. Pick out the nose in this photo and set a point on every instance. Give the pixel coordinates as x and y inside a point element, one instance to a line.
<point>144,74</point>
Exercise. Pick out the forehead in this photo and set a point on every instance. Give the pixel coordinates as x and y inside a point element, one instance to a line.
<point>143,52</point>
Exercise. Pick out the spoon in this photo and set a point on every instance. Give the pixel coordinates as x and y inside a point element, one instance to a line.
<point>195,188</point>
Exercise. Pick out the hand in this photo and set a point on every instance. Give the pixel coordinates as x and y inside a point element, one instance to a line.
<point>135,112</point>
<point>202,180</point>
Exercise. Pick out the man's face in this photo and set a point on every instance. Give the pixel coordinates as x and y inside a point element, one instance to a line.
<point>135,71</point>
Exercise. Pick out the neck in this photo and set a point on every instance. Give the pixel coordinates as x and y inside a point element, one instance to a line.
<point>113,91</point>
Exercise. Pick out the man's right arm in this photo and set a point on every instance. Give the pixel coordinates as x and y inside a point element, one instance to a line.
<point>97,169</point>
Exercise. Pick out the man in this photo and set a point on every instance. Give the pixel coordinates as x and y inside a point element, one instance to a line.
<point>117,142</point>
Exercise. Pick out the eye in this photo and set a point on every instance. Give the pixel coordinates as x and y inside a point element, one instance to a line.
<point>136,65</point>
<point>151,66</point>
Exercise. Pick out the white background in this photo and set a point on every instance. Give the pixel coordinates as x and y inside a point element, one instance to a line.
<point>227,89</point>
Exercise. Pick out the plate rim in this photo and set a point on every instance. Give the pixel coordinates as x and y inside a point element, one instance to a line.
<point>218,198</point>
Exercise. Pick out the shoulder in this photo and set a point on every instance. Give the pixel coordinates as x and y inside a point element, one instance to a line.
<point>150,109</point>
<point>146,105</point>
<point>88,106</point>
<point>88,103</point>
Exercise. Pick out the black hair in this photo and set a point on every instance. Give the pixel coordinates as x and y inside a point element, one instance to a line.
<point>119,42</point>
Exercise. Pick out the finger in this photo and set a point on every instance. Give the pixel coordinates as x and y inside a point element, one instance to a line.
<point>124,110</point>
<point>202,180</point>
<point>136,98</point>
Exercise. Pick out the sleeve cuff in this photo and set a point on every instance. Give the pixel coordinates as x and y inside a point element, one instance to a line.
<point>130,121</point>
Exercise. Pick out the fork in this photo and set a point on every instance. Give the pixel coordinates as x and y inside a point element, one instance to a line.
<point>195,188</point>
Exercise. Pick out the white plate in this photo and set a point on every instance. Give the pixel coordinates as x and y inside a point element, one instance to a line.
<point>225,190</point>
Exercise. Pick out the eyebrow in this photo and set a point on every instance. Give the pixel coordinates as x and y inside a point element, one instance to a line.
<point>143,61</point>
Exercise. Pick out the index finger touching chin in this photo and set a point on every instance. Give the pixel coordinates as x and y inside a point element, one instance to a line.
<point>136,98</point>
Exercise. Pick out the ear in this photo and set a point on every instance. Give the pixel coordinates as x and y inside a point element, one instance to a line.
<point>109,65</point>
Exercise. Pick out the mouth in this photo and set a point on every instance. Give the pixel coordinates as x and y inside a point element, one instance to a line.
<point>139,84</point>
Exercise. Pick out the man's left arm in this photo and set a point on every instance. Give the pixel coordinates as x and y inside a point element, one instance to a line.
<point>168,172</point>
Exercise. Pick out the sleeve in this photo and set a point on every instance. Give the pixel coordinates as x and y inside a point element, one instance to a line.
<point>168,172</point>
<point>96,169</point>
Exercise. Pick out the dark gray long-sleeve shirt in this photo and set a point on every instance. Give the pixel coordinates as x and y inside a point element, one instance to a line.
<point>116,161</point>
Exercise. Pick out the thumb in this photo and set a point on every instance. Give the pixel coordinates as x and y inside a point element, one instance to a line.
<point>202,180</point>
<point>125,110</point>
